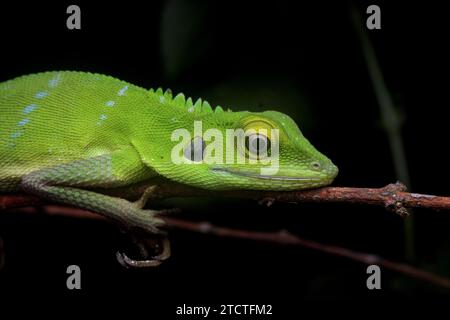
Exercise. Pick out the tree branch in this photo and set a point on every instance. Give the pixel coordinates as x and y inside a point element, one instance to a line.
<point>286,238</point>
<point>393,197</point>
<point>281,237</point>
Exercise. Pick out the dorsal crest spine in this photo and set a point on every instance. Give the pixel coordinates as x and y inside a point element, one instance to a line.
<point>187,104</point>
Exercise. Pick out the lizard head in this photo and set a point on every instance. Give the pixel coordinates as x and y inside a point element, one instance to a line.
<point>244,150</point>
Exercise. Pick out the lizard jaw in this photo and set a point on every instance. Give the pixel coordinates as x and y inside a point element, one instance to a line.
<point>268,177</point>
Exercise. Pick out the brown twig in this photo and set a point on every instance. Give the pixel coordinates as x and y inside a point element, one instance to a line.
<point>392,197</point>
<point>286,238</point>
<point>282,238</point>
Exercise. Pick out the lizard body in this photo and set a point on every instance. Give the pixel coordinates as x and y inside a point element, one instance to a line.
<point>64,133</point>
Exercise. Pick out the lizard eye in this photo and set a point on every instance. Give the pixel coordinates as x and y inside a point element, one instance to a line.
<point>194,150</point>
<point>257,145</point>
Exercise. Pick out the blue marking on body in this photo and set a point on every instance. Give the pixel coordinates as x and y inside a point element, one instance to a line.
<point>23,122</point>
<point>16,134</point>
<point>41,94</point>
<point>29,108</point>
<point>110,103</point>
<point>54,82</point>
<point>103,117</point>
<point>121,92</point>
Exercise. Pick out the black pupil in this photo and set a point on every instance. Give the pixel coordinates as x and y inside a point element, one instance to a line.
<point>258,144</point>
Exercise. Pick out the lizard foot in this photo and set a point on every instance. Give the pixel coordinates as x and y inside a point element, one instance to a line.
<point>163,246</point>
<point>148,221</point>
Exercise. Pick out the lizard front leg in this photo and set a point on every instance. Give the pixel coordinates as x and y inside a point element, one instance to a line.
<point>64,184</point>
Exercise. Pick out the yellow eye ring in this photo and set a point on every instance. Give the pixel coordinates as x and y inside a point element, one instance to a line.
<point>257,124</point>
<point>257,137</point>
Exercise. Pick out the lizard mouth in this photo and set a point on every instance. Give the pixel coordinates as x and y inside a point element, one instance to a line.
<point>267,177</point>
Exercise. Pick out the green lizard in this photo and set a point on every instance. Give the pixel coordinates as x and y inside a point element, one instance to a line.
<point>63,134</point>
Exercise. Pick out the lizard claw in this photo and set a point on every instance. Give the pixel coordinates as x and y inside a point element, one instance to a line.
<point>155,261</point>
<point>149,223</point>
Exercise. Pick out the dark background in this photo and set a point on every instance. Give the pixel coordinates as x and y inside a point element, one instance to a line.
<point>303,59</point>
